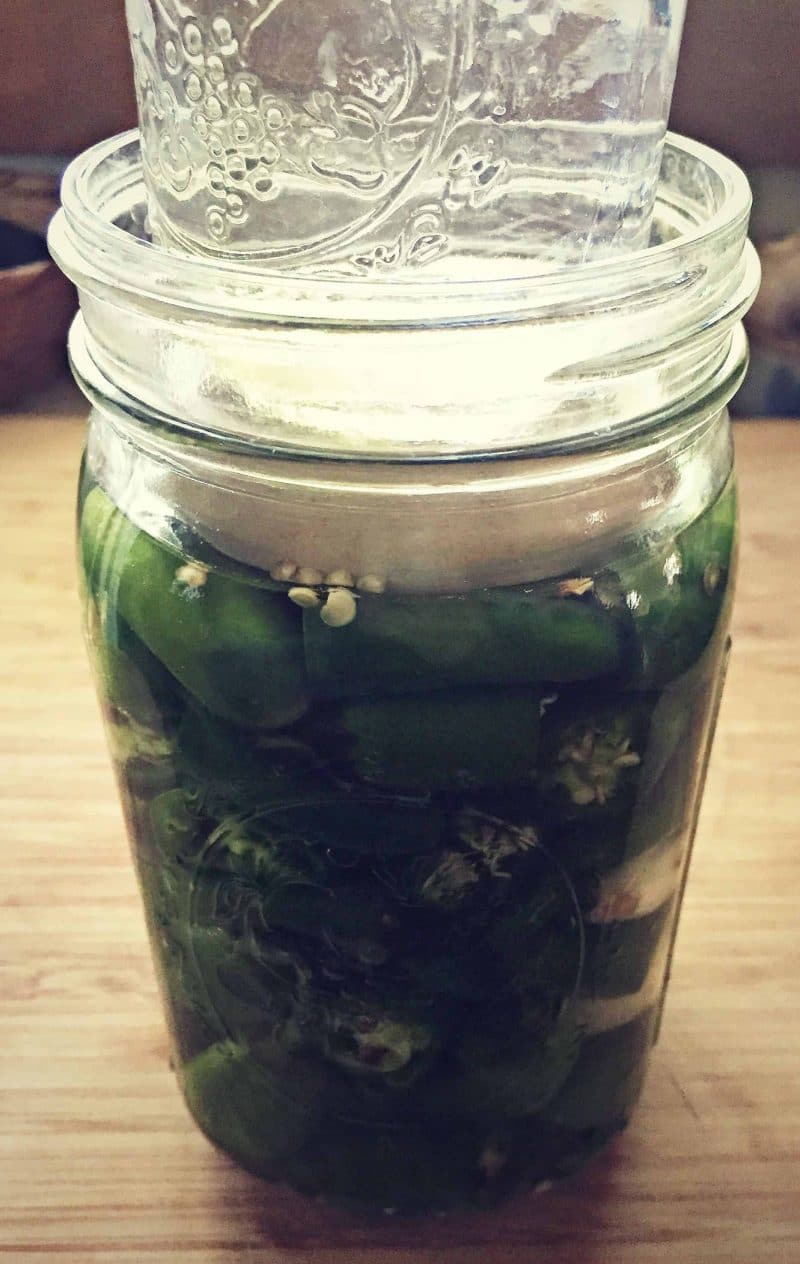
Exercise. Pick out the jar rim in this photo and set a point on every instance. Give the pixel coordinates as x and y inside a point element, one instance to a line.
<point>417,368</point>
<point>103,189</point>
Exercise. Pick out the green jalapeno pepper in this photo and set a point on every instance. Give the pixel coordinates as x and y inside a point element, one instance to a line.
<point>259,1113</point>
<point>447,740</point>
<point>498,636</point>
<point>235,648</point>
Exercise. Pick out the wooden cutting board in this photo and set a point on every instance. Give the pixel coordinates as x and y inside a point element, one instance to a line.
<point>98,1159</point>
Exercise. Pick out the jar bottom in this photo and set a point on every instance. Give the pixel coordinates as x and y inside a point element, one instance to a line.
<point>424,1171</point>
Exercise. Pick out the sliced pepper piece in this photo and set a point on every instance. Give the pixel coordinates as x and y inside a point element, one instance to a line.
<point>366,1039</point>
<point>247,993</point>
<point>499,636</point>
<point>233,772</point>
<point>445,741</point>
<point>235,648</point>
<point>143,757</point>
<point>255,869</point>
<point>540,945</point>
<point>591,756</point>
<point>175,821</point>
<point>512,1086</point>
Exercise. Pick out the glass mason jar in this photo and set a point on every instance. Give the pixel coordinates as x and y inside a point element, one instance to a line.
<point>408,610</point>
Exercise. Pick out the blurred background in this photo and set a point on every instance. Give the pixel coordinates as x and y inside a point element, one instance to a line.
<point>65,82</point>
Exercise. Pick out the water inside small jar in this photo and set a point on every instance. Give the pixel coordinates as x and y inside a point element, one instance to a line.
<point>370,138</point>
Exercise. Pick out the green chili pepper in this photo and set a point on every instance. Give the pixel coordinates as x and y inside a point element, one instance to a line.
<point>246,991</point>
<point>236,773</point>
<point>237,649</point>
<point>258,1113</point>
<point>175,821</point>
<point>511,1086</point>
<point>499,636</point>
<point>356,823</point>
<point>445,741</point>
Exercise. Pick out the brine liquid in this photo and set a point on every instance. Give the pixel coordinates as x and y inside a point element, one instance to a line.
<point>411,865</point>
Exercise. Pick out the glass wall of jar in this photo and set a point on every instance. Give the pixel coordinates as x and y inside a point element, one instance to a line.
<point>408,611</point>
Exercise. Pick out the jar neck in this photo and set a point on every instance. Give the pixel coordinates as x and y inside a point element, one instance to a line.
<point>411,368</point>
<point>424,526</point>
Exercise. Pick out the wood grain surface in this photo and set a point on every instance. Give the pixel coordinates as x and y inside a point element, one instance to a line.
<point>98,1158</point>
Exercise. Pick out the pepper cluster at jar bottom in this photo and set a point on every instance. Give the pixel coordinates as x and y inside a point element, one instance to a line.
<point>411,863</point>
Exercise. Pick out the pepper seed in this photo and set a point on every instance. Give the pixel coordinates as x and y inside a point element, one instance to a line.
<point>306,598</point>
<point>283,571</point>
<point>575,587</point>
<point>339,609</point>
<point>371,584</point>
<point>711,578</point>
<point>192,574</point>
<point>340,579</point>
<point>309,576</point>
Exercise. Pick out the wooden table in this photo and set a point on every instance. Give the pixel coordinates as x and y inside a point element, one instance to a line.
<point>98,1158</point>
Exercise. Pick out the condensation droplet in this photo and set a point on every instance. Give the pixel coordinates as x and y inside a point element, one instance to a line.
<point>214,109</point>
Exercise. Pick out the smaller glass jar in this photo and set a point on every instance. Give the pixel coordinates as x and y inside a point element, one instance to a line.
<point>381,136</point>
<point>410,676</point>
